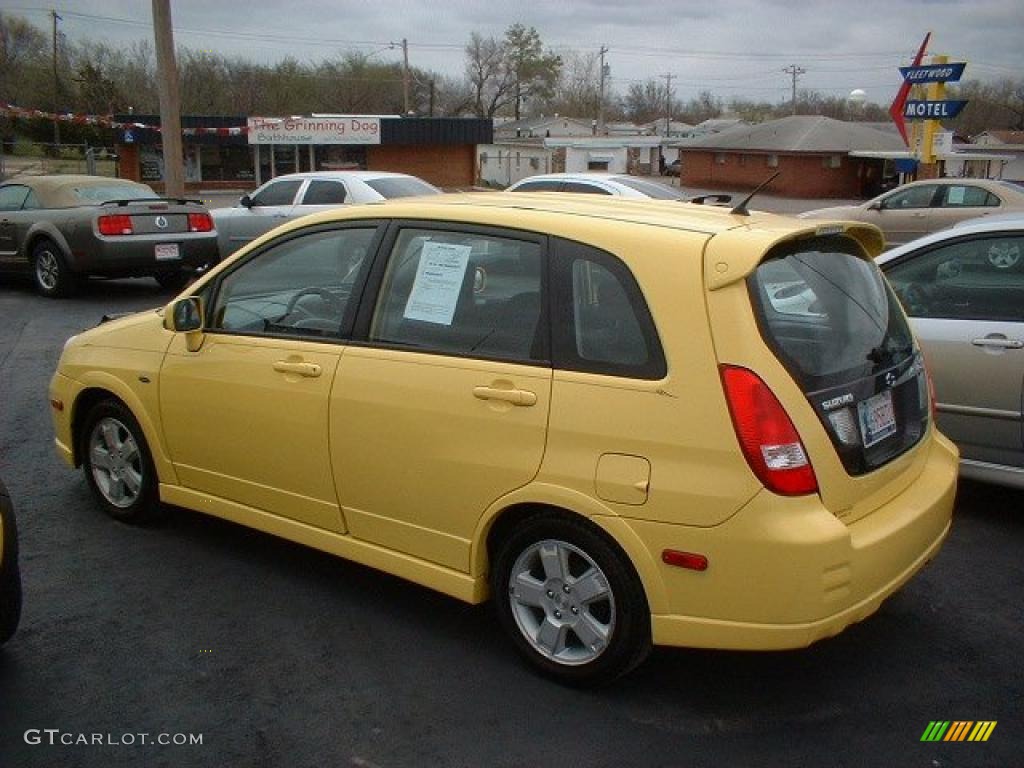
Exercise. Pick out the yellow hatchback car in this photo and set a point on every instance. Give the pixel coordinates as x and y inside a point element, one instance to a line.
<point>627,422</point>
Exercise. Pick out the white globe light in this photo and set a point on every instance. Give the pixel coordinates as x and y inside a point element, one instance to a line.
<point>857,96</point>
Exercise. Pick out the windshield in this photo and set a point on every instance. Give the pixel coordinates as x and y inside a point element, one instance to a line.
<point>94,194</point>
<point>407,186</point>
<point>829,313</point>
<point>650,188</point>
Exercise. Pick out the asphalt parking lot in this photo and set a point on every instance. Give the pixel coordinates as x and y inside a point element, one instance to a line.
<point>276,655</point>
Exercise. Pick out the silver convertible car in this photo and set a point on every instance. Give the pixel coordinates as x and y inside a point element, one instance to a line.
<point>964,291</point>
<point>61,229</point>
<point>288,197</point>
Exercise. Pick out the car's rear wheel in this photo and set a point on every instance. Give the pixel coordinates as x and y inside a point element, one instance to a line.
<point>118,465</point>
<point>50,271</point>
<point>571,601</point>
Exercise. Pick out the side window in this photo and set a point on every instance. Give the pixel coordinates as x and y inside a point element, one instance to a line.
<point>277,193</point>
<point>602,323</point>
<point>304,286</point>
<point>979,279</point>
<point>539,186</point>
<point>464,294</point>
<point>12,197</point>
<point>32,201</point>
<point>324,193</point>
<point>588,189</point>
<point>915,197</point>
<point>966,196</point>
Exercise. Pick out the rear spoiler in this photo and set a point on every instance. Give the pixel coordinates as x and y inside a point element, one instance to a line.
<point>144,200</point>
<point>710,200</point>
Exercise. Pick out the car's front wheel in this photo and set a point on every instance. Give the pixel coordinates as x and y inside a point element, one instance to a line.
<point>118,465</point>
<point>571,601</point>
<point>50,271</point>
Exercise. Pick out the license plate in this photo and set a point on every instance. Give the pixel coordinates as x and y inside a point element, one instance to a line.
<point>167,252</point>
<point>877,418</point>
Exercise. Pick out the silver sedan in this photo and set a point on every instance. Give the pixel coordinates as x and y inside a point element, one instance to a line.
<point>964,291</point>
<point>288,197</point>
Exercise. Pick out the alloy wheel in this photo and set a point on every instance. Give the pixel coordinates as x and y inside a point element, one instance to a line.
<point>562,602</point>
<point>116,462</point>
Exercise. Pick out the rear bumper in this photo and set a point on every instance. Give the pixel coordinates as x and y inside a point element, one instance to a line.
<point>136,254</point>
<point>785,572</point>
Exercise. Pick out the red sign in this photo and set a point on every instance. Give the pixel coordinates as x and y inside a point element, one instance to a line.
<point>896,109</point>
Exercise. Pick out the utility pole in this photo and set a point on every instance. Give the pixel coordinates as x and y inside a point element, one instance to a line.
<point>56,87</point>
<point>795,71</point>
<point>170,100</point>
<point>405,74</point>
<point>600,102</point>
<point>668,100</point>
<point>433,89</point>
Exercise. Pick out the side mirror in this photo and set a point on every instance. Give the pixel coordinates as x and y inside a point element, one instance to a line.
<point>876,206</point>
<point>245,201</point>
<point>186,315</point>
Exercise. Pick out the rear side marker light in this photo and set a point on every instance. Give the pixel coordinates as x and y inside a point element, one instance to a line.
<point>57,405</point>
<point>767,437</point>
<point>117,224</point>
<point>200,222</point>
<point>689,560</point>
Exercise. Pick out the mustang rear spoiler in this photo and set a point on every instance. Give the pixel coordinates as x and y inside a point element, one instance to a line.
<point>144,200</point>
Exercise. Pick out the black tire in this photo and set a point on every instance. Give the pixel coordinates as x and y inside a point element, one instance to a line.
<point>545,601</point>
<point>10,579</point>
<point>51,274</point>
<point>173,281</point>
<point>117,463</point>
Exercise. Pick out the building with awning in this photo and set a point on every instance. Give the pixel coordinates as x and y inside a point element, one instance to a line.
<point>239,152</point>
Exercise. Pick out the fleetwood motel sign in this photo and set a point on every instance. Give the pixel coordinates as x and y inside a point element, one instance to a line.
<point>929,80</point>
<point>341,129</point>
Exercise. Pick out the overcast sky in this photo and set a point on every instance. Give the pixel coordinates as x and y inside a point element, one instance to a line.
<point>731,47</point>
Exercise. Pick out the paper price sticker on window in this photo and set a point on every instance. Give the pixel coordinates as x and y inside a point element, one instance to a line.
<point>439,277</point>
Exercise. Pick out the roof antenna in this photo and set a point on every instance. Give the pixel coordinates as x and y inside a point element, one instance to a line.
<point>741,209</point>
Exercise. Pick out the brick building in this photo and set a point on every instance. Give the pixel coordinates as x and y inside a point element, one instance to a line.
<point>812,154</point>
<point>223,152</point>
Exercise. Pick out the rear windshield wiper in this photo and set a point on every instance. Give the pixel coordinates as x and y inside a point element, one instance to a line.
<point>886,352</point>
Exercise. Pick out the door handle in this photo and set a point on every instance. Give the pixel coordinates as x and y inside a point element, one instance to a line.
<point>515,396</point>
<point>309,370</point>
<point>998,342</point>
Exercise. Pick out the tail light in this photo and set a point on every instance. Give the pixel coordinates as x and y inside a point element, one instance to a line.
<point>200,222</point>
<point>769,441</point>
<point>117,224</point>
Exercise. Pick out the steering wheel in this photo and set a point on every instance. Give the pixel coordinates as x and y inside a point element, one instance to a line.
<point>335,306</point>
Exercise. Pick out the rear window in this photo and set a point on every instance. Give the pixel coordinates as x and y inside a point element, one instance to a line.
<point>390,188</point>
<point>94,194</point>
<point>832,320</point>
<point>650,188</point>
<point>828,313</point>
